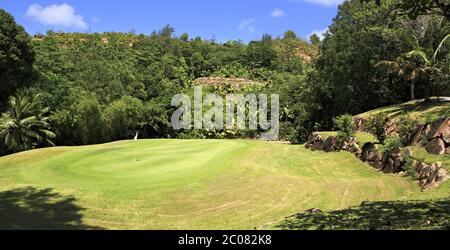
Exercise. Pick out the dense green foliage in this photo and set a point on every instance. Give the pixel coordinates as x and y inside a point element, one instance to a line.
<point>416,8</point>
<point>344,125</point>
<point>25,125</point>
<point>377,126</point>
<point>361,37</point>
<point>16,57</point>
<point>111,86</point>
<point>105,87</point>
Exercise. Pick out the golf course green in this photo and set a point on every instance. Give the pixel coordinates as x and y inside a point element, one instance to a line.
<point>186,184</point>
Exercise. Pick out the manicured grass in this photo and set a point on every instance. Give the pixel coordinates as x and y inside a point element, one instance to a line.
<point>422,155</point>
<point>418,110</point>
<point>186,184</point>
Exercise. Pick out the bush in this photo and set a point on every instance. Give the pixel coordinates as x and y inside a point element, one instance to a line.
<point>123,118</point>
<point>287,131</point>
<point>391,143</point>
<point>406,124</point>
<point>89,121</point>
<point>376,125</point>
<point>299,135</point>
<point>345,126</point>
<point>408,167</point>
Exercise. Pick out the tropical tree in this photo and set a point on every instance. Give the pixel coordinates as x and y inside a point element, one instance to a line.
<point>430,65</point>
<point>415,65</point>
<point>416,8</point>
<point>404,66</point>
<point>16,57</point>
<point>25,125</point>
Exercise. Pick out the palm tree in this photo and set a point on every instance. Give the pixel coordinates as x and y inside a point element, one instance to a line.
<point>404,66</point>
<point>408,66</point>
<point>24,126</point>
<point>429,65</point>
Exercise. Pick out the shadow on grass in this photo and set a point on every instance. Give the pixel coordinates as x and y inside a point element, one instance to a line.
<point>385,215</point>
<point>32,208</point>
<point>420,106</point>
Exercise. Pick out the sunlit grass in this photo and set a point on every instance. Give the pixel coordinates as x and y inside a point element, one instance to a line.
<point>418,109</point>
<point>197,184</point>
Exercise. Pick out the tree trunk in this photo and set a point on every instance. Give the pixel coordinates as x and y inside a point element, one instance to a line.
<point>412,86</point>
<point>428,91</point>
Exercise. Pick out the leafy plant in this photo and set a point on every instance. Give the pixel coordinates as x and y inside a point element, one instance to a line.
<point>415,65</point>
<point>345,126</point>
<point>376,125</point>
<point>390,143</point>
<point>25,125</point>
<point>406,124</point>
<point>408,167</point>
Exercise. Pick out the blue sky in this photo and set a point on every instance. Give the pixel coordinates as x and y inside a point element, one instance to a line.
<point>222,20</point>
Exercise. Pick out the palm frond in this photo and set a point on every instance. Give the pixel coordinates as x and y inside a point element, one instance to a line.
<point>418,53</point>
<point>50,142</point>
<point>24,126</point>
<point>47,133</point>
<point>27,121</point>
<point>390,65</point>
<point>440,46</point>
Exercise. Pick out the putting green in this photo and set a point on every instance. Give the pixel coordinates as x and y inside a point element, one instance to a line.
<point>185,184</point>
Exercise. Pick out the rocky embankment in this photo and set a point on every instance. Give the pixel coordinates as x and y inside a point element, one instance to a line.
<point>395,161</point>
<point>219,81</point>
<point>434,137</point>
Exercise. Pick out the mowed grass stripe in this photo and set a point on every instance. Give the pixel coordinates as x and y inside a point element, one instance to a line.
<point>202,184</point>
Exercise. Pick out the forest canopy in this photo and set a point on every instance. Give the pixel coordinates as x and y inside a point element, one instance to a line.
<point>107,86</point>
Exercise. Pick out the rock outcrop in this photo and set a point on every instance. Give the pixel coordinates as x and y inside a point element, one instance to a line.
<point>331,144</point>
<point>314,142</point>
<point>220,81</point>
<point>436,146</point>
<point>418,135</point>
<point>391,127</point>
<point>440,129</point>
<point>435,137</point>
<point>359,124</point>
<point>389,162</point>
<point>430,175</point>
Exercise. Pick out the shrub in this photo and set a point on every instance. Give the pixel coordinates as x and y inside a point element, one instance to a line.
<point>286,130</point>
<point>345,126</point>
<point>88,115</point>
<point>376,125</point>
<point>406,124</point>
<point>123,118</point>
<point>391,143</point>
<point>423,140</point>
<point>408,167</point>
<point>299,135</point>
<point>431,117</point>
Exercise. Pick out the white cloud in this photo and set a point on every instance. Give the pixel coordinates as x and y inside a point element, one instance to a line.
<point>62,15</point>
<point>247,25</point>
<point>277,13</point>
<point>319,33</point>
<point>326,2</point>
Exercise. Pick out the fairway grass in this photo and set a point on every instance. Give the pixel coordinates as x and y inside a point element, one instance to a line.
<point>186,184</point>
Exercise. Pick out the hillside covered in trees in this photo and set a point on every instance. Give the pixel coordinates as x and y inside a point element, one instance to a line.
<point>83,88</point>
